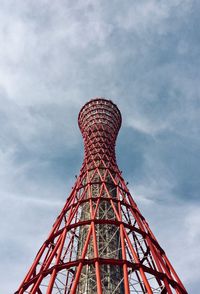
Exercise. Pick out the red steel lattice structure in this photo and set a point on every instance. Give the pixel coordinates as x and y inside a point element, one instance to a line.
<point>100,242</point>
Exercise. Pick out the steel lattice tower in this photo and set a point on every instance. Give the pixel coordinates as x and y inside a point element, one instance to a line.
<point>100,242</point>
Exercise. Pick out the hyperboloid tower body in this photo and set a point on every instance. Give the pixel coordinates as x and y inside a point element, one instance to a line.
<point>100,242</point>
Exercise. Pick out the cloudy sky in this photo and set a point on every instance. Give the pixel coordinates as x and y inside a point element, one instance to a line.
<point>54,57</point>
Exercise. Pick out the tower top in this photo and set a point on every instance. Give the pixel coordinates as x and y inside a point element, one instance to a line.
<point>99,121</point>
<point>100,111</point>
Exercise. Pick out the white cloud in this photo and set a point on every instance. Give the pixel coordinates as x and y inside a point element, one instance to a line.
<point>192,224</point>
<point>148,16</point>
<point>22,234</point>
<point>176,227</point>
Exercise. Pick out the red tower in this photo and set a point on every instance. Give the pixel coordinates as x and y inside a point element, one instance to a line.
<point>100,242</point>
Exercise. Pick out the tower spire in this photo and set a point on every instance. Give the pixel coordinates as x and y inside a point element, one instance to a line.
<point>100,242</point>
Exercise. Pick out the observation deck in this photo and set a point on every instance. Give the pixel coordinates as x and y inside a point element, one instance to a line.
<point>99,121</point>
